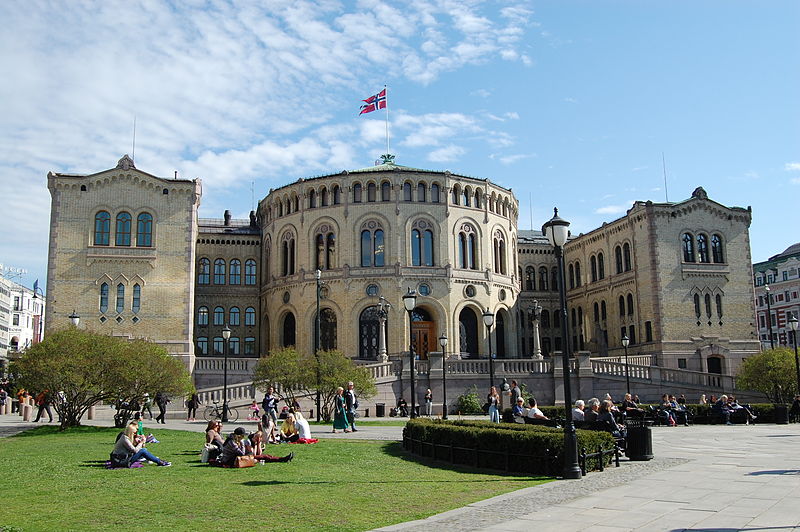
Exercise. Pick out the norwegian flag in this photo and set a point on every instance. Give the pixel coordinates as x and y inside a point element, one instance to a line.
<point>373,103</point>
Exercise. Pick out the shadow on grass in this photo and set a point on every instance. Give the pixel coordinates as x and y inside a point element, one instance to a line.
<point>255,483</point>
<point>395,449</point>
<point>94,463</point>
<point>48,430</point>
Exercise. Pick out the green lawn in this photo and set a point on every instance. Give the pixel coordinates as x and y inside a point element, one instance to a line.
<point>57,481</point>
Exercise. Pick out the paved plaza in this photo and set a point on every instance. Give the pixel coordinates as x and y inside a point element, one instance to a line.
<point>703,478</point>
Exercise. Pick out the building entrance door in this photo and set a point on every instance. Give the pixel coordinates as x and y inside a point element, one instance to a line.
<point>424,334</point>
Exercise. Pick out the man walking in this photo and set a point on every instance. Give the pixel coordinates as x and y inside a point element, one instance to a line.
<point>351,404</point>
<point>516,393</point>
<point>161,402</point>
<point>270,407</point>
<point>43,401</point>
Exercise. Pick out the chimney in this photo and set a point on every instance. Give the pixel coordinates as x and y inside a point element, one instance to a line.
<point>227,217</point>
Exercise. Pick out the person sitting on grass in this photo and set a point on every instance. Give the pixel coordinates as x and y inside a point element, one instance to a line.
<point>518,411</point>
<point>130,449</point>
<point>214,437</point>
<point>534,412</point>
<point>289,431</point>
<point>303,429</point>
<point>235,447</point>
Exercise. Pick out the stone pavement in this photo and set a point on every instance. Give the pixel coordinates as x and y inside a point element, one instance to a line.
<point>703,478</point>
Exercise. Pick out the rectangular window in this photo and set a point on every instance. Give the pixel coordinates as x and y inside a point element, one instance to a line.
<point>648,331</point>
<point>785,276</point>
<point>16,303</point>
<point>557,343</point>
<point>249,346</point>
<point>681,363</point>
<point>15,320</point>
<point>233,344</point>
<point>218,345</point>
<point>762,322</point>
<point>202,345</point>
<point>760,301</point>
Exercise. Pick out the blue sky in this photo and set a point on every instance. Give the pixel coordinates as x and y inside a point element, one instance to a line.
<point>569,103</point>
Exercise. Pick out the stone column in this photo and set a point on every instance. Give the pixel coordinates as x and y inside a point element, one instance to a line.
<point>27,412</point>
<point>537,344</point>
<point>382,356</point>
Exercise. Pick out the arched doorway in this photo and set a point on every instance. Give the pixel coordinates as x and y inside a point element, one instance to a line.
<point>289,328</point>
<point>714,365</point>
<point>327,324</point>
<point>468,333</point>
<point>423,332</point>
<point>500,335</point>
<point>368,331</point>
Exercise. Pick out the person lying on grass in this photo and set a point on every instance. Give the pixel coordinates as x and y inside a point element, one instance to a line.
<point>130,449</point>
<point>235,447</point>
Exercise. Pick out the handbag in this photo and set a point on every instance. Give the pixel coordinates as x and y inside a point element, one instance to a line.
<point>486,408</point>
<point>205,454</point>
<point>245,461</point>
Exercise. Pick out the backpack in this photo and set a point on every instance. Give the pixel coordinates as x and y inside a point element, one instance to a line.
<point>120,460</point>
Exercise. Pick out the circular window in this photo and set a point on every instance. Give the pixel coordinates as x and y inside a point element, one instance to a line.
<point>286,297</point>
<point>502,295</point>
<point>424,289</point>
<point>373,290</point>
<point>470,291</point>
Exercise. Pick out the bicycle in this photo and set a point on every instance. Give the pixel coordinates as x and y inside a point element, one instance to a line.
<point>215,412</point>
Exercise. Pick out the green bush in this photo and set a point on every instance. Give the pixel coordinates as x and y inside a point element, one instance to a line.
<point>469,402</point>
<point>513,447</point>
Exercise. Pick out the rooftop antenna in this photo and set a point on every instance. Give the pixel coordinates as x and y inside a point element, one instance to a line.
<point>252,195</point>
<point>664,166</point>
<point>530,207</point>
<point>133,148</point>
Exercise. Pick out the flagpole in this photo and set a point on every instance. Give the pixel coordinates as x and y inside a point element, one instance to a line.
<point>387,119</point>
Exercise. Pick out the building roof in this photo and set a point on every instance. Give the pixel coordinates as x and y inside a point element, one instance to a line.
<point>788,253</point>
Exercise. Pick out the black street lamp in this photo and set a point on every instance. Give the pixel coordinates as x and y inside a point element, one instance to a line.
<point>556,230</point>
<point>318,341</point>
<point>769,317</point>
<point>793,327</point>
<point>443,343</point>
<point>410,303</point>
<point>625,342</point>
<point>74,318</point>
<point>226,335</point>
<point>488,320</point>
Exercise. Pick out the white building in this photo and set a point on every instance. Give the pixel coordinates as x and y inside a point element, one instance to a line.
<point>780,277</point>
<point>27,317</point>
<point>5,319</point>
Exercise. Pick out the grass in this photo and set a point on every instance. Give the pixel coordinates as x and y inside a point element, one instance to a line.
<point>58,481</point>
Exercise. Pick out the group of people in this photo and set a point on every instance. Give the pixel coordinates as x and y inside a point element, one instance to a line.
<point>224,452</point>
<point>345,406</point>
<point>727,408</point>
<point>43,400</point>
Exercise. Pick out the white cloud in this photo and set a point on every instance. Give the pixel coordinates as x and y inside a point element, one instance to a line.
<point>792,167</point>
<point>447,154</point>
<point>570,100</point>
<point>511,159</point>
<point>614,209</point>
<point>795,181</point>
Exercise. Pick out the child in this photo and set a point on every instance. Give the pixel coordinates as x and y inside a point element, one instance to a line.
<point>140,430</point>
<point>254,411</point>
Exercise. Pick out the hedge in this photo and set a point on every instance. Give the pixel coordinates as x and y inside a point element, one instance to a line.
<point>513,447</point>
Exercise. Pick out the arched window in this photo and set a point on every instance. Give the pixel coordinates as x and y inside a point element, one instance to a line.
<point>204,271</point>
<point>571,276</point>
<point>202,316</point>
<point>626,256</point>
<point>621,305</point>
<point>219,271</point>
<point>219,345</point>
<point>324,197</point>
<point>545,319</point>
<point>136,303</point>
<point>280,209</point>
<point>250,272</point>
<point>578,274</point>
<point>499,253</point>
<point>219,316</point>
<point>312,199</point>
<point>120,297</point>
<point>421,247</point>
<point>235,272</point>
<point>603,312</point>
<point>123,233</point>
<point>697,311</point>
<point>593,268</point>
<point>289,330</point>
<point>618,258</point>
<point>356,196</point>
<point>465,199</point>
<point>554,279</point>
<point>249,317</point>
<point>102,228</point>
<point>601,266</point>
<point>708,305</point>
<point>421,192</point>
<point>530,278</point>
<point>327,329</point>
<point>456,192</point>
<point>632,334</point>
<point>716,249</point>
<point>478,199</point>
<point>630,304</point>
<point>337,195</point>
<point>372,245</point>
<point>702,248</point>
<point>233,346</point>
<point>144,230</point>
<point>434,193</point>
<point>372,192</point>
<point>233,316</point>
<point>467,248</point>
<point>287,254</point>
<point>688,247</point>
<point>104,298</point>
<point>296,201</point>
<point>543,279</point>
<point>596,312</point>
<point>407,191</point>
<point>719,305</point>
<point>714,365</point>
<point>386,191</point>
<point>326,251</point>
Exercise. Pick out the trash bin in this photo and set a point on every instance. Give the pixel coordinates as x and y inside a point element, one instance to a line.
<point>639,440</point>
<point>380,409</point>
<point>781,414</point>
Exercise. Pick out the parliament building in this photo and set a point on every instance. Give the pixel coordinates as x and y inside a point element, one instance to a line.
<point>129,253</point>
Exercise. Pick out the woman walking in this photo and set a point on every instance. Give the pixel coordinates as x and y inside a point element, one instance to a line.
<point>340,411</point>
<point>493,399</point>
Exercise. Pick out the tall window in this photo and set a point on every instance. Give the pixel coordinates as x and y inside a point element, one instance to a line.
<point>123,233</point>
<point>593,268</point>
<point>356,195</point>
<point>137,299</point>
<point>621,305</point>
<point>467,248</point>
<point>702,248</point>
<point>630,304</point>
<point>144,230</point>
<point>104,298</point>
<point>596,312</point>
<point>465,200</point>
<point>324,197</point>
<point>233,316</point>
<point>434,193</point>
<point>287,254</point>
<point>688,247</point>
<point>456,191</point>
<point>421,246</point>
<point>571,276</point>
<point>337,195</point>
<point>219,345</point>
<point>708,305</point>
<point>421,192</point>
<point>697,306</point>
<point>327,321</point>
<point>289,331</point>
<point>578,274</point>
<point>372,192</point>
<point>719,306</point>
<point>233,346</point>
<point>312,199</point>
<point>120,297</point>
<point>326,250</point>
<point>250,272</point>
<point>603,311</point>
<point>202,345</point>
<point>372,246</point>
<point>219,316</point>
<point>204,271</point>
<point>530,278</point>
<point>250,346</point>
<point>543,279</point>
<point>499,253</point>
<point>406,191</point>
<point>626,256</point>
<point>386,191</point>
<point>249,317</point>
<point>202,316</point>
<point>618,258</point>
<point>102,228</point>
<point>235,272</point>
<point>219,271</point>
<point>716,249</point>
<point>601,266</point>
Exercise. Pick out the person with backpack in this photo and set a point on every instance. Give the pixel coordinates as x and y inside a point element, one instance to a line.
<point>43,401</point>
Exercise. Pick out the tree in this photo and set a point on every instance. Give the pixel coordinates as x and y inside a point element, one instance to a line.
<point>295,375</point>
<point>771,372</point>
<point>82,368</point>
